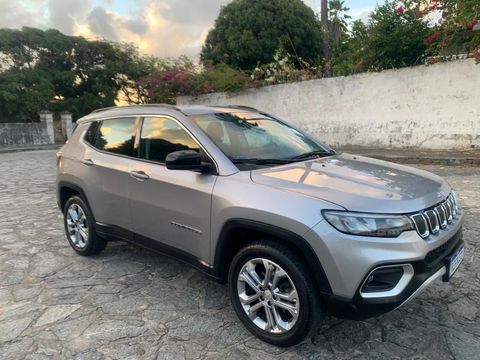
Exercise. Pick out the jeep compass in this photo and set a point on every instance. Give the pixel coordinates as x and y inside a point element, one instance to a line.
<point>294,228</point>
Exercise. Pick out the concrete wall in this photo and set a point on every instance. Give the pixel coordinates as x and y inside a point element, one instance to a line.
<point>434,107</point>
<point>24,134</point>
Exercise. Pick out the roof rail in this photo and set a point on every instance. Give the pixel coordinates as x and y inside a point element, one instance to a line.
<point>239,107</point>
<point>173,107</point>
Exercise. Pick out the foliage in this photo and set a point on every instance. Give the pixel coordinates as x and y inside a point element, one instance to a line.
<point>176,77</point>
<point>49,70</point>
<point>23,93</point>
<point>457,30</point>
<point>248,32</point>
<point>283,70</point>
<point>351,50</point>
<point>334,26</point>
<point>390,39</point>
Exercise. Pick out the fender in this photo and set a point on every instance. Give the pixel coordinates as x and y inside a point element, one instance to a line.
<point>220,267</point>
<point>66,184</point>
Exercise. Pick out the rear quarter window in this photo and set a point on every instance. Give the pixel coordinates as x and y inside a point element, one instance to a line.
<point>114,135</point>
<point>91,133</point>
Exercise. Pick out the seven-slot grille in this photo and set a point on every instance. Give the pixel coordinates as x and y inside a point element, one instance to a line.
<point>432,220</point>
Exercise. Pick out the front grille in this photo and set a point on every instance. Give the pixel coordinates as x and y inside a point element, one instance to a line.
<point>440,251</point>
<point>443,250</point>
<point>432,220</point>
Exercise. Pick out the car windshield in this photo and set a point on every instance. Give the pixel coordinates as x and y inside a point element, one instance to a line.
<point>257,138</point>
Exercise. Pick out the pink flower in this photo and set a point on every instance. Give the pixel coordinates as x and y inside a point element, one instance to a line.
<point>471,24</point>
<point>431,38</point>
<point>400,10</point>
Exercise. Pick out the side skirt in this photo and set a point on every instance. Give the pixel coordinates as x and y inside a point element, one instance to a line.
<point>112,232</point>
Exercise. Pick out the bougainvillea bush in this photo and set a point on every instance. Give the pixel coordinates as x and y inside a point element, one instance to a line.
<point>454,26</point>
<point>170,78</point>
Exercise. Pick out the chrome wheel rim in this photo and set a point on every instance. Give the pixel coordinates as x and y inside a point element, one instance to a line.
<point>268,295</point>
<point>77,226</point>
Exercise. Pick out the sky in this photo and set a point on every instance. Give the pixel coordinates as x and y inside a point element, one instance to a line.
<point>164,28</point>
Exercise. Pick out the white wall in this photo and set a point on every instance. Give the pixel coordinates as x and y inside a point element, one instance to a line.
<point>434,107</point>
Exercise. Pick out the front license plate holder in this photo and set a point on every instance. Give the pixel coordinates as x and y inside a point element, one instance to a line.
<point>453,261</point>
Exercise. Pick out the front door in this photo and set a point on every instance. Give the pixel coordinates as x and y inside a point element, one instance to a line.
<point>171,207</point>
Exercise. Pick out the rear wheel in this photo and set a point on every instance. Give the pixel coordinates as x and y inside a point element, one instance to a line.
<point>79,228</point>
<point>273,293</point>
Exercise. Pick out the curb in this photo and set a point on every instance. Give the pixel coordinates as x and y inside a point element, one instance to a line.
<point>447,161</point>
<point>5,150</point>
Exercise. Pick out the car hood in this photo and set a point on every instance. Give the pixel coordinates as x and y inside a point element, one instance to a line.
<point>358,183</point>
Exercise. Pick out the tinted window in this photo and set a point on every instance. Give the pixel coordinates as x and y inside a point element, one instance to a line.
<point>91,132</point>
<point>161,137</point>
<point>116,136</point>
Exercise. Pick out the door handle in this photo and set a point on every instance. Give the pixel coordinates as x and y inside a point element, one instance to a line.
<point>139,175</point>
<point>87,162</point>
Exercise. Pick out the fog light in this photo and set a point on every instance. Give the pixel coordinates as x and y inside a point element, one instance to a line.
<point>386,281</point>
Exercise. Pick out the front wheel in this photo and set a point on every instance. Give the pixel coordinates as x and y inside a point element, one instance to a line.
<point>273,293</point>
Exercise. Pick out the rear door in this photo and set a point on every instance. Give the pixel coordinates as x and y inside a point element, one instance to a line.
<point>105,170</point>
<point>170,207</point>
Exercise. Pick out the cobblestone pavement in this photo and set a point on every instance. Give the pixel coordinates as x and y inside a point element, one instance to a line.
<point>131,303</point>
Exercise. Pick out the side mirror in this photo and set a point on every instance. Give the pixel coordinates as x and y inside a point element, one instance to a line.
<point>186,160</point>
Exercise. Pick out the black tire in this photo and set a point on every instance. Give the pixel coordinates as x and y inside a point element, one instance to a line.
<point>94,243</point>
<point>311,310</point>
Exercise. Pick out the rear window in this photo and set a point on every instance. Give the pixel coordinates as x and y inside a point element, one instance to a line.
<point>115,136</point>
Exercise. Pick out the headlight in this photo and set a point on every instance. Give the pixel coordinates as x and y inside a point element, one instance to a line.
<point>368,224</point>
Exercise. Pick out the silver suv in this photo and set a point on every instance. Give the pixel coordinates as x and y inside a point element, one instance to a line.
<point>294,228</point>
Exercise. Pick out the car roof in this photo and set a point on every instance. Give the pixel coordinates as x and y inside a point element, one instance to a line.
<point>149,109</point>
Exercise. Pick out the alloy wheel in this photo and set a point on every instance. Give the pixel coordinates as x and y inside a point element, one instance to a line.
<point>268,295</point>
<point>77,226</point>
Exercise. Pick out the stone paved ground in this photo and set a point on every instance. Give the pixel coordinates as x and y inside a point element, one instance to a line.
<point>130,303</point>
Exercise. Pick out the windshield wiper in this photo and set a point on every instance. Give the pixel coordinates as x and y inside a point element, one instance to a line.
<point>262,161</point>
<point>313,153</point>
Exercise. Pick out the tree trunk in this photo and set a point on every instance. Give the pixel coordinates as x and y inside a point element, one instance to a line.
<point>327,50</point>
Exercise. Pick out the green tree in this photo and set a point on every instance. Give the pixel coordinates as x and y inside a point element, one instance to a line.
<point>248,33</point>
<point>395,38</point>
<point>334,25</point>
<point>351,50</point>
<point>49,70</point>
<point>392,38</point>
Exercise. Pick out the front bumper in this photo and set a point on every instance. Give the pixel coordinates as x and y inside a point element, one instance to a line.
<point>426,271</point>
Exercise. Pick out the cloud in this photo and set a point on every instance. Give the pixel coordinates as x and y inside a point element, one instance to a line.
<point>14,14</point>
<point>192,13</point>
<point>137,26</point>
<point>102,23</point>
<point>164,28</point>
<point>64,14</point>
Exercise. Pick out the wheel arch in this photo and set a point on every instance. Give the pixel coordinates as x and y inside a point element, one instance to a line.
<point>66,190</point>
<point>236,233</point>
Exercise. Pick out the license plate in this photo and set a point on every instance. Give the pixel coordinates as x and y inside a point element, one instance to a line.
<point>455,261</point>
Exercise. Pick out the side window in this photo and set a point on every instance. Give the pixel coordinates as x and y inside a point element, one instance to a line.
<point>116,136</point>
<point>161,137</point>
<point>91,133</point>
